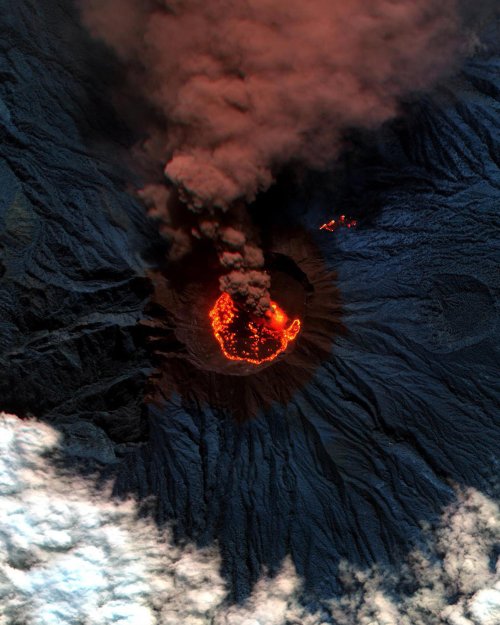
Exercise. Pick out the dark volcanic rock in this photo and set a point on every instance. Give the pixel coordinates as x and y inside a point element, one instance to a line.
<point>365,450</point>
<point>73,283</point>
<point>408,401</point>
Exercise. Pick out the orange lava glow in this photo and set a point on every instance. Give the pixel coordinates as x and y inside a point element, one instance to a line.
<point>335,224</point>
<point>242,336</point>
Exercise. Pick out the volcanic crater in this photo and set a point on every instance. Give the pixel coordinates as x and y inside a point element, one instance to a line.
<point>188,357</point>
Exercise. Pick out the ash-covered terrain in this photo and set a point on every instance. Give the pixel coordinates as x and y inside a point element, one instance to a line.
<point>342,466</point>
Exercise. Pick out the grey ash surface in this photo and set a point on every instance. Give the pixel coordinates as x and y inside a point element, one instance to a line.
<point>365,451</point>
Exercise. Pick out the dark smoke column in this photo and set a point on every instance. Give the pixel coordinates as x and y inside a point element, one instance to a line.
<point>246,86</point>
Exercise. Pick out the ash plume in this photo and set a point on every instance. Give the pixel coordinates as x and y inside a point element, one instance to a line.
<point>247,87</point>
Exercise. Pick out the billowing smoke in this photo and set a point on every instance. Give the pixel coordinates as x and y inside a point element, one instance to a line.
<point>70,555</point>
<point>247,86</point>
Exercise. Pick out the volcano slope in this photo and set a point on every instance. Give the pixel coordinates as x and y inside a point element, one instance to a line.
<point>360,450</point>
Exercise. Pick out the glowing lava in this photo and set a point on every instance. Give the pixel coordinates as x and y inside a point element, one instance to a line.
<point>242,336</point>
<point>343,221</point>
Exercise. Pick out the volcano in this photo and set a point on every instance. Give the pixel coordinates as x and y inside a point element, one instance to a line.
<point>348,439</point>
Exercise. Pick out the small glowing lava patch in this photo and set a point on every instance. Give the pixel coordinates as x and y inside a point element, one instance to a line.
<point>245,337</point>
<point>341,222</point>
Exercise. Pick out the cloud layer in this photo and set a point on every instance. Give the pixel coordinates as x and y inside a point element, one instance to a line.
<point>68,555</point>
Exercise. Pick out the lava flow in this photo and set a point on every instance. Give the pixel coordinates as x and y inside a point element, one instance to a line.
<point>343,221</point>
<point>256,340</point>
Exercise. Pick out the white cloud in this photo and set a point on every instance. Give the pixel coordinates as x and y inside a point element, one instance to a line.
<point>453,581</point>
<point>485,606</point>
<point>273,602</point>
<point>70,556</point>
<point>67,557</point>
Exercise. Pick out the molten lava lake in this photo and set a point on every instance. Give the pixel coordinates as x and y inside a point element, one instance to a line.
<point>243,336</point>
